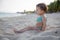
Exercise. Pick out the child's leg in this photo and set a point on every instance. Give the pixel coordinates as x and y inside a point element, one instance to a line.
<point>26,29</point>
<point>29,28</point>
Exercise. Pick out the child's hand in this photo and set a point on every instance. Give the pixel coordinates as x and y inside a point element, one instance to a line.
<point>39,30</point>
<point>17,31</point>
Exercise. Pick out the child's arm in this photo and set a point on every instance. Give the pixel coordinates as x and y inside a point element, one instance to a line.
<point>44,24</point>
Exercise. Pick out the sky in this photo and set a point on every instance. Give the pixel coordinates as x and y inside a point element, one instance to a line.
<point>20,5</point>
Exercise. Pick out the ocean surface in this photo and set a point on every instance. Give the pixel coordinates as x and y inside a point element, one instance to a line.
<point>10,15</point>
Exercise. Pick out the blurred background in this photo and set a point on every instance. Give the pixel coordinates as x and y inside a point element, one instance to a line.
<point>13,6</point>
<point>21,13</point>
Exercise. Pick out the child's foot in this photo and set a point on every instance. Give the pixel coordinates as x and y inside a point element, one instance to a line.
<point>17,31</point>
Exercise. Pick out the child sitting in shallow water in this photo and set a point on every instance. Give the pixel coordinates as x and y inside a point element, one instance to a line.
<point>41,8</point>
